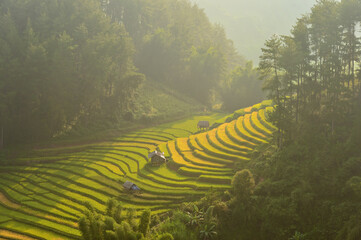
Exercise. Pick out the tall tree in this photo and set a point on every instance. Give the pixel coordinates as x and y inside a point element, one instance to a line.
<point>65,62</point>
<point>312,72</point>
<point>270,71</point>
<point>242,88</point>
<point>349,18</point>
<point>300,35</point>
<point>171,38</point>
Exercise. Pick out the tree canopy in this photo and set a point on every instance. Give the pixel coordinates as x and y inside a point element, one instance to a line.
<point>61,61</point>
<point>66,63</point>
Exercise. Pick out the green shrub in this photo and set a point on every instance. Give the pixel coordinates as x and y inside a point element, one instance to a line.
<point>177,227</point>
<point>243,185</point>
<point>166,236</point>
<point>155,220</point>
<point>144,222</point>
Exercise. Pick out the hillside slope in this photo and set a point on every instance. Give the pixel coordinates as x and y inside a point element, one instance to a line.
<point>157,102</point>
<point>43,195</point>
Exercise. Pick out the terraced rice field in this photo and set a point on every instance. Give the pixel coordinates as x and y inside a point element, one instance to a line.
<point>45,200</point>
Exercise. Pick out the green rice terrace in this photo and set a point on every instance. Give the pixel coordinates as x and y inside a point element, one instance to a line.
<point>44,199</point>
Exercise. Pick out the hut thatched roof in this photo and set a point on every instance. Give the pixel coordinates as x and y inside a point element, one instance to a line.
<point>130,186</point>
<point>156,153</point>
<point>203,124</point>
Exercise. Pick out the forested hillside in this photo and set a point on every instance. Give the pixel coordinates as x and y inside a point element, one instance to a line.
<point>313,75</point>
<point>176,44</point>
<point>77,191</point>
<point>61,62</point>
<point>288,168</point>
<point>307,184</point>
<point>67,63</point>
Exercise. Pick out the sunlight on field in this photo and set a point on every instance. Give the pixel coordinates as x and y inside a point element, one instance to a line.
<point>45,200</point>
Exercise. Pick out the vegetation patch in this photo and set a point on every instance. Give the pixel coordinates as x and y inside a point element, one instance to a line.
<point>55,193</point>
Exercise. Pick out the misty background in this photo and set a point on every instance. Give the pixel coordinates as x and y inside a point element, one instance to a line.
<point>250,23</point>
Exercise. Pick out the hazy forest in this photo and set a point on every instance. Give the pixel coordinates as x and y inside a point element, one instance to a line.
<point>250,23</point>
<point>147,120</point>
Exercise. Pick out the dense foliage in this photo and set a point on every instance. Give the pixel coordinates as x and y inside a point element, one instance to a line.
<point>177,45</point>
<point>67,63</point>
<point>242,88</point>
<point>308,182</point>
<point>189,224</point>
<point>113,225</point>
<point>306,185</point>
<point>61,61</point>
<point>313,75</point>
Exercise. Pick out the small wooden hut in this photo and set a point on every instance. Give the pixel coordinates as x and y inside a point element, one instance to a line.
<point>157,158</point>
<point>130,186</point>
<point>203,125</point>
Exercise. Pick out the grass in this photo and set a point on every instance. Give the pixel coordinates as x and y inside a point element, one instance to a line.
<point>193,184</point>
<point>163,148</point>
<point>215,179</point>
<point>38,206</point>
<point>46,197</point>
<point>182,145</point>
<point>32,230</point>
<point>43,224</point>
<point>236,137</point>
<point>223,137</point>
<point>247,133</point>
<point>181,162</point>
<point>247,124</point>
<point>196,173</point>
<point>201,162</point>
<point>206,156</point>
<point>202,141</point>
<point>193,144</point>
<point>263,118</point>
<point>214,141</point>
<point>258,125</point>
